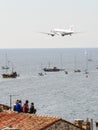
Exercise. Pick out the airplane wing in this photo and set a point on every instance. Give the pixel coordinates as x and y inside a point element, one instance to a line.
<point>48,33</point>
<point>77,32</point>
<point>69,33</point>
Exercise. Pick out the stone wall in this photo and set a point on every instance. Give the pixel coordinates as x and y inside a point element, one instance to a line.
<point>62,125</point>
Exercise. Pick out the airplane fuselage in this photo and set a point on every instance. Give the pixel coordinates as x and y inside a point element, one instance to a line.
<point>62,32</point>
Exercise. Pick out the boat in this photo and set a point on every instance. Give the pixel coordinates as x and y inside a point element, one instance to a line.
<point>66,72</point>
<point>40,74</point>
<point>97,67</point>
<point>3,67</point>
<point>86,66</point>
<point>8,73</point>
<point>90,60</point>
<point>75,65</point>
<point>86,72</point>
<point>78,70</point>
<point>6,66</point>
<point>54,69</point>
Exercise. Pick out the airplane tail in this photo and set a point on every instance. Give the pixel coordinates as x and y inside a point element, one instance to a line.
<point>71,28</point>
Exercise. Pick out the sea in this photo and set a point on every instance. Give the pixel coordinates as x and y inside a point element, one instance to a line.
<point>69,96</point>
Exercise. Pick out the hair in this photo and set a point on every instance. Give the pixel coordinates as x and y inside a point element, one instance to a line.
<point>32,103</point>
<point>27,101</point>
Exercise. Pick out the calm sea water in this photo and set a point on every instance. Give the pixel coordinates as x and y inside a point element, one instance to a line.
<point>69,96</point>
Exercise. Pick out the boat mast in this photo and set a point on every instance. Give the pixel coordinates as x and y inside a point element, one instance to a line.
<point>61,60</point>
<point>86,54</point>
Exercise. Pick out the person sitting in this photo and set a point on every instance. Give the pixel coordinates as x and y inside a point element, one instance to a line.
<point>32,109</point>
<point>18,106</point>
<point>25,107</point>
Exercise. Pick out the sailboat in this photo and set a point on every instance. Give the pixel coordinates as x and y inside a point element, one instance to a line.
<point>86,69</point>
<point>10,75</point>
<point>6,66</point>
<point>41,73</point>
<point>54,68</point>
<point>75,67</point>
<point>7,69</point>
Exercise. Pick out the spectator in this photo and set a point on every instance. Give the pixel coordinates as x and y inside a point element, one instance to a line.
<point>25,107</point>
<point>18,106</point>
<point>32,108</point>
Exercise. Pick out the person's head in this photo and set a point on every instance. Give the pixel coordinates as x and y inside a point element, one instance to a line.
<point>20,101</point>
<point>17,101</point>
<point>27,102</point>
<point>32,103</point>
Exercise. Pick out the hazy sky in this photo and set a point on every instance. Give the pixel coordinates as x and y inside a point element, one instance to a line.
<point>21,19</point>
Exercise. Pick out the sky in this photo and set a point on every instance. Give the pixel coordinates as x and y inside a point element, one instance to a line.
<point>21,20</point>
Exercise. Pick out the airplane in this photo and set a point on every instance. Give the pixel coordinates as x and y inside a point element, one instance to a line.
<point>62,32</point>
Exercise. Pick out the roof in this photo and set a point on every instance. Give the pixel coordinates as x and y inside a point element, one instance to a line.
<point>25,121</point>
<point>4,107</point>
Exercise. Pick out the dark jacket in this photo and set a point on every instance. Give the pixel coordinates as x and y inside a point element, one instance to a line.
<point>32,109</point>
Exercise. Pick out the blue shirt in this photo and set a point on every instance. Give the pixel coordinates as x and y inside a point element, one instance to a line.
<point>18,107</point>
